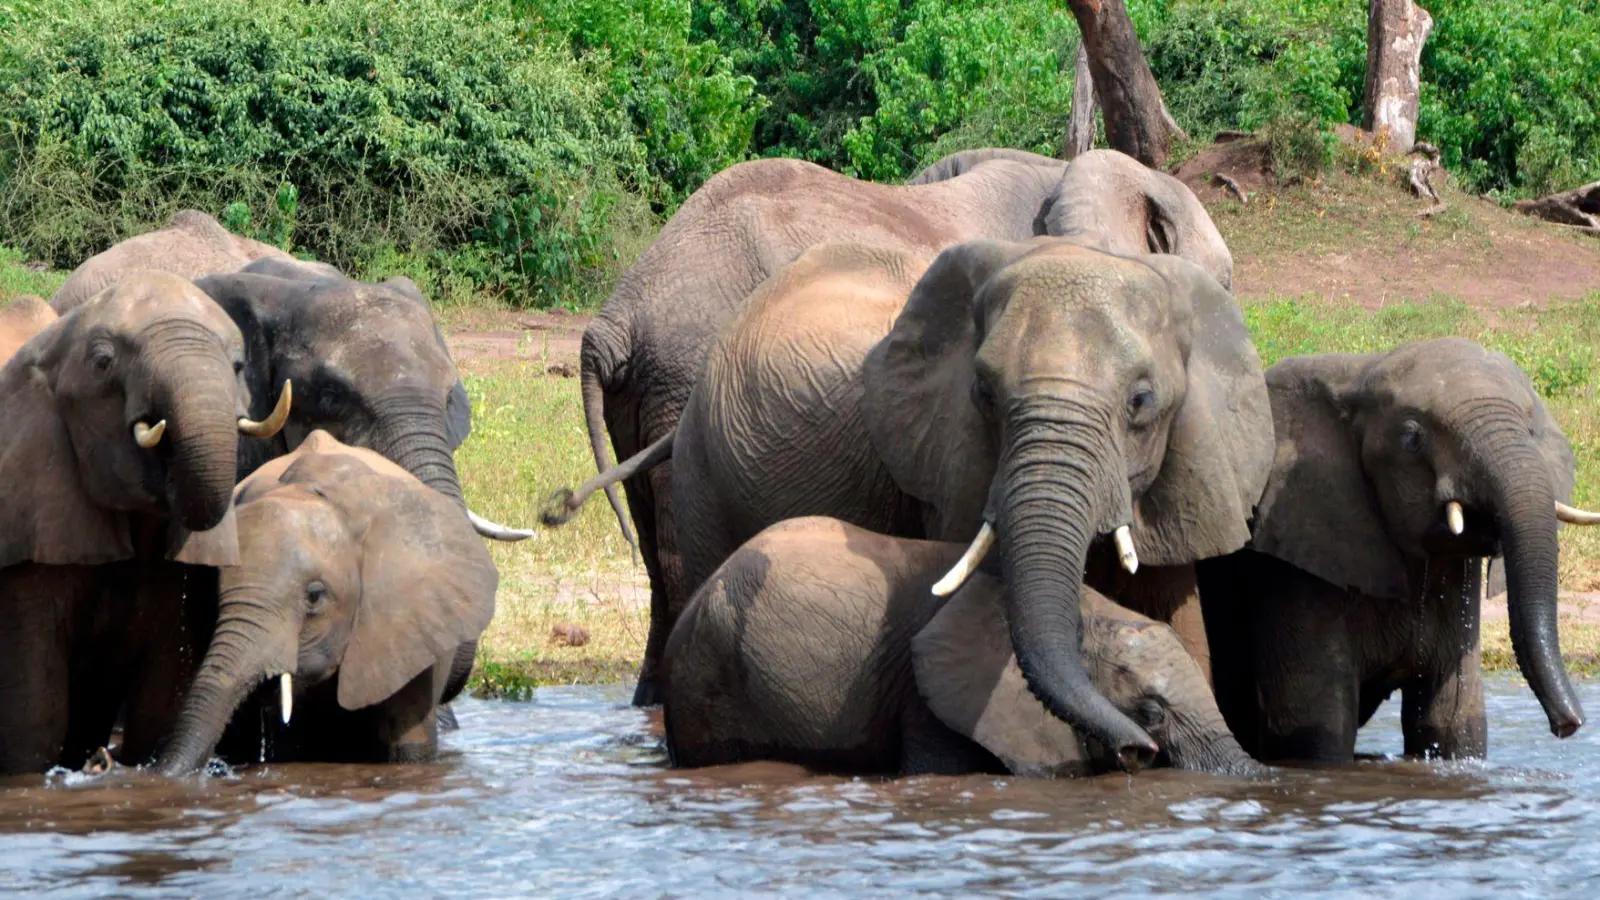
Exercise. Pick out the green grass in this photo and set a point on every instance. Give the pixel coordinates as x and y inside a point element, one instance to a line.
<point>18,278</point>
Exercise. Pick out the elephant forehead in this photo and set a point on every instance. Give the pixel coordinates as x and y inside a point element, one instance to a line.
<point>146,297</point>
<point>370,331</point>
<point>1438,375</point>
<point>291,526</point>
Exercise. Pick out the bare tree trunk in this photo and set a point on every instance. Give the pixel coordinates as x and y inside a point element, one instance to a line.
<point>1396,31</point>
<point>1579,207</point>
<point>1137,122</point>
<point>1080,126</point>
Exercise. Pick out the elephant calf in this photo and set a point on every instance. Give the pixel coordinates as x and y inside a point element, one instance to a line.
<point>356,586</point>
<point>822,644</point>
<point>20,320</point>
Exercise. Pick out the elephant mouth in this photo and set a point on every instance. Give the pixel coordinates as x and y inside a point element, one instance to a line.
<point>1480,535</point>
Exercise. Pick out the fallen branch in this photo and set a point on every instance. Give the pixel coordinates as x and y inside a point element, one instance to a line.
<point>1433,210</point>
<point>1422,170</point>
<point>1579,208</point>
<point>1232,185</point>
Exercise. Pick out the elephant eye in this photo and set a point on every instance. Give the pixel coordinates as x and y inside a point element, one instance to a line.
<point>316,597</point>
<point>1411,436</point>
<point>330,398</point>
<point>101,359</point>
<point>1142,401</point>
<point>982,394</point>
<point>1150,712</point>
<point>238,366</point>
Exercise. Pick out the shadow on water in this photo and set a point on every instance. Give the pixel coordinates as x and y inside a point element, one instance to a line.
<point>568,796</point>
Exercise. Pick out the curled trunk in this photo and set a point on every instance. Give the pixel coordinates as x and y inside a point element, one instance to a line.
<point>193,392</point>
<point>1058,478</point>
<point>1524,504</point>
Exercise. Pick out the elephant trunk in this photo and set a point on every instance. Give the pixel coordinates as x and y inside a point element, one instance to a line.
<point>411,431</point>
<point>1058,478</point>
<point>193,392</point>
<point>246,647</point>
<point>1524,503</point>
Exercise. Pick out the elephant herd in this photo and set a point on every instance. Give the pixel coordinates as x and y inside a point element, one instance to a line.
<point>977,473</point>
<point>983,472</point>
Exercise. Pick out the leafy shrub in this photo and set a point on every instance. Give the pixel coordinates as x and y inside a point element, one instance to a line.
<point>333,128</point>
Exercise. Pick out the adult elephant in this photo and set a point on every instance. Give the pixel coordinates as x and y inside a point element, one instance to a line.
<point>1040,395</point>
<point>119,453</point>
<point>820,643</point>
<point>1396,474</point>
<point>21,319</point>
<point>355,588</point>
<point>191,245</point>
<point>643,351</point>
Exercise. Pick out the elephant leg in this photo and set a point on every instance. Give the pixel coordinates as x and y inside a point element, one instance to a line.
<point>658,546</point>
<point>1307,681</point>
<point>1443,717</point>
<point>930,747</point>
<point>34,671</point>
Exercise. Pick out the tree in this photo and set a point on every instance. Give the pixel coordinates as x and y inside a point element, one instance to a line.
<point>1396,31</point>
<point>1136,119</point>
<point>1080,125</point>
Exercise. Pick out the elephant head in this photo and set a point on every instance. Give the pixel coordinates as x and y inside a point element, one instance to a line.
<point>967,674</point>
<point>1110,201</point>
<point>130,405</point>
<point>1435,448</point>
<point>21,319</point>
<point>349,568</point>
<point>371,367</point>
<point>1044,395</point>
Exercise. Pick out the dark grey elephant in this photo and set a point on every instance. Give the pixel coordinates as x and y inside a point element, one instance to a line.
<point>1052,400</point>
<point>1396,474</point>
<point>642,353</point>
<point>821,644</point>
<point>356,586</point>
<point>119,452</point>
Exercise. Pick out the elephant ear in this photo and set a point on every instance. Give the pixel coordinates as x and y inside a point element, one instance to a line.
<point>967,673</point>
<point>917,395</point>
<point>1318,513</point>
<point>46,515</point>
<point>428,586</point>
<point>1220,447</point>
<point>217,546</point>
<point>1554,448</point>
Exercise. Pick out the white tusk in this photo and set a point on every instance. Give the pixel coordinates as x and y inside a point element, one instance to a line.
<point>147,436</point>
<point>286,696</point>
<point>273,423</point>
<point>1454,517</point>
<point>1125,552</point>
<point>497,532</point>
<point>1575,516</point>
<point>967,564</point>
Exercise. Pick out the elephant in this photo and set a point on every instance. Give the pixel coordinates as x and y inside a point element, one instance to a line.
<point>821,644</point>
<point>355,587</point>
<point>20,320</point>
<point>1395,475</point>
<point>119,457</point>
<point>191,245</point>
<point>1040,395</point>
<point>643,351</point>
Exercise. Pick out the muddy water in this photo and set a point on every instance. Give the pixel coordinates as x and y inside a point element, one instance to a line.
<point>566,796</point>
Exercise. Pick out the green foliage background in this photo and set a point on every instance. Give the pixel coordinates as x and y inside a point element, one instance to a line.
<point>530,147</point>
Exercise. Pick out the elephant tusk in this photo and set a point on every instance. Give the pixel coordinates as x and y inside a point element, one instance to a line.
<point>1575,516</point>
<point>494,531</point>
<point>1125,552</point>
<point>967,564</point>
<point>273,423</point>
<point>1454,517</point>
<point>286,696</point>
<point>147,436</point>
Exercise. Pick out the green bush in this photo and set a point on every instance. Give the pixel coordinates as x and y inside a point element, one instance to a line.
<point>333,128</point>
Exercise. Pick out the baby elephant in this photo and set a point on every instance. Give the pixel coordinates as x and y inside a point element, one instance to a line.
<point>822,644</point>
<point>356,585</point>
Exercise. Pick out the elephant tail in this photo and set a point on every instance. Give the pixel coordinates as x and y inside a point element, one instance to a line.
<point>561,505</point>
<point>556,511</point>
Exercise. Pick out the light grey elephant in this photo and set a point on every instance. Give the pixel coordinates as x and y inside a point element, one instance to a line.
<point>643,351</point>
<point>822,644</point>
<point>21,319</point>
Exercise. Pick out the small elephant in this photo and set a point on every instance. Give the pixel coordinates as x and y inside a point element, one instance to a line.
<point>20,320</point>
<point>644,350</point>
<point>191,245</point>
<point>1396,474</point>
<point>355,588</point>
<point>821,644</point>
<point>122,423</point>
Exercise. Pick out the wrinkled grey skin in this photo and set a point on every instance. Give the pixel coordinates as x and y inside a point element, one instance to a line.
<point>368,365</point>
<point>90,518</point>
<point>191,245</point>
<point>643,351</point>
<point>1053,391</point>
<point>1355,586</point>
<point>359,581</point>
<point>821,644</point>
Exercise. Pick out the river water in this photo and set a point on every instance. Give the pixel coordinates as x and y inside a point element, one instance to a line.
<point>567,796</point>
